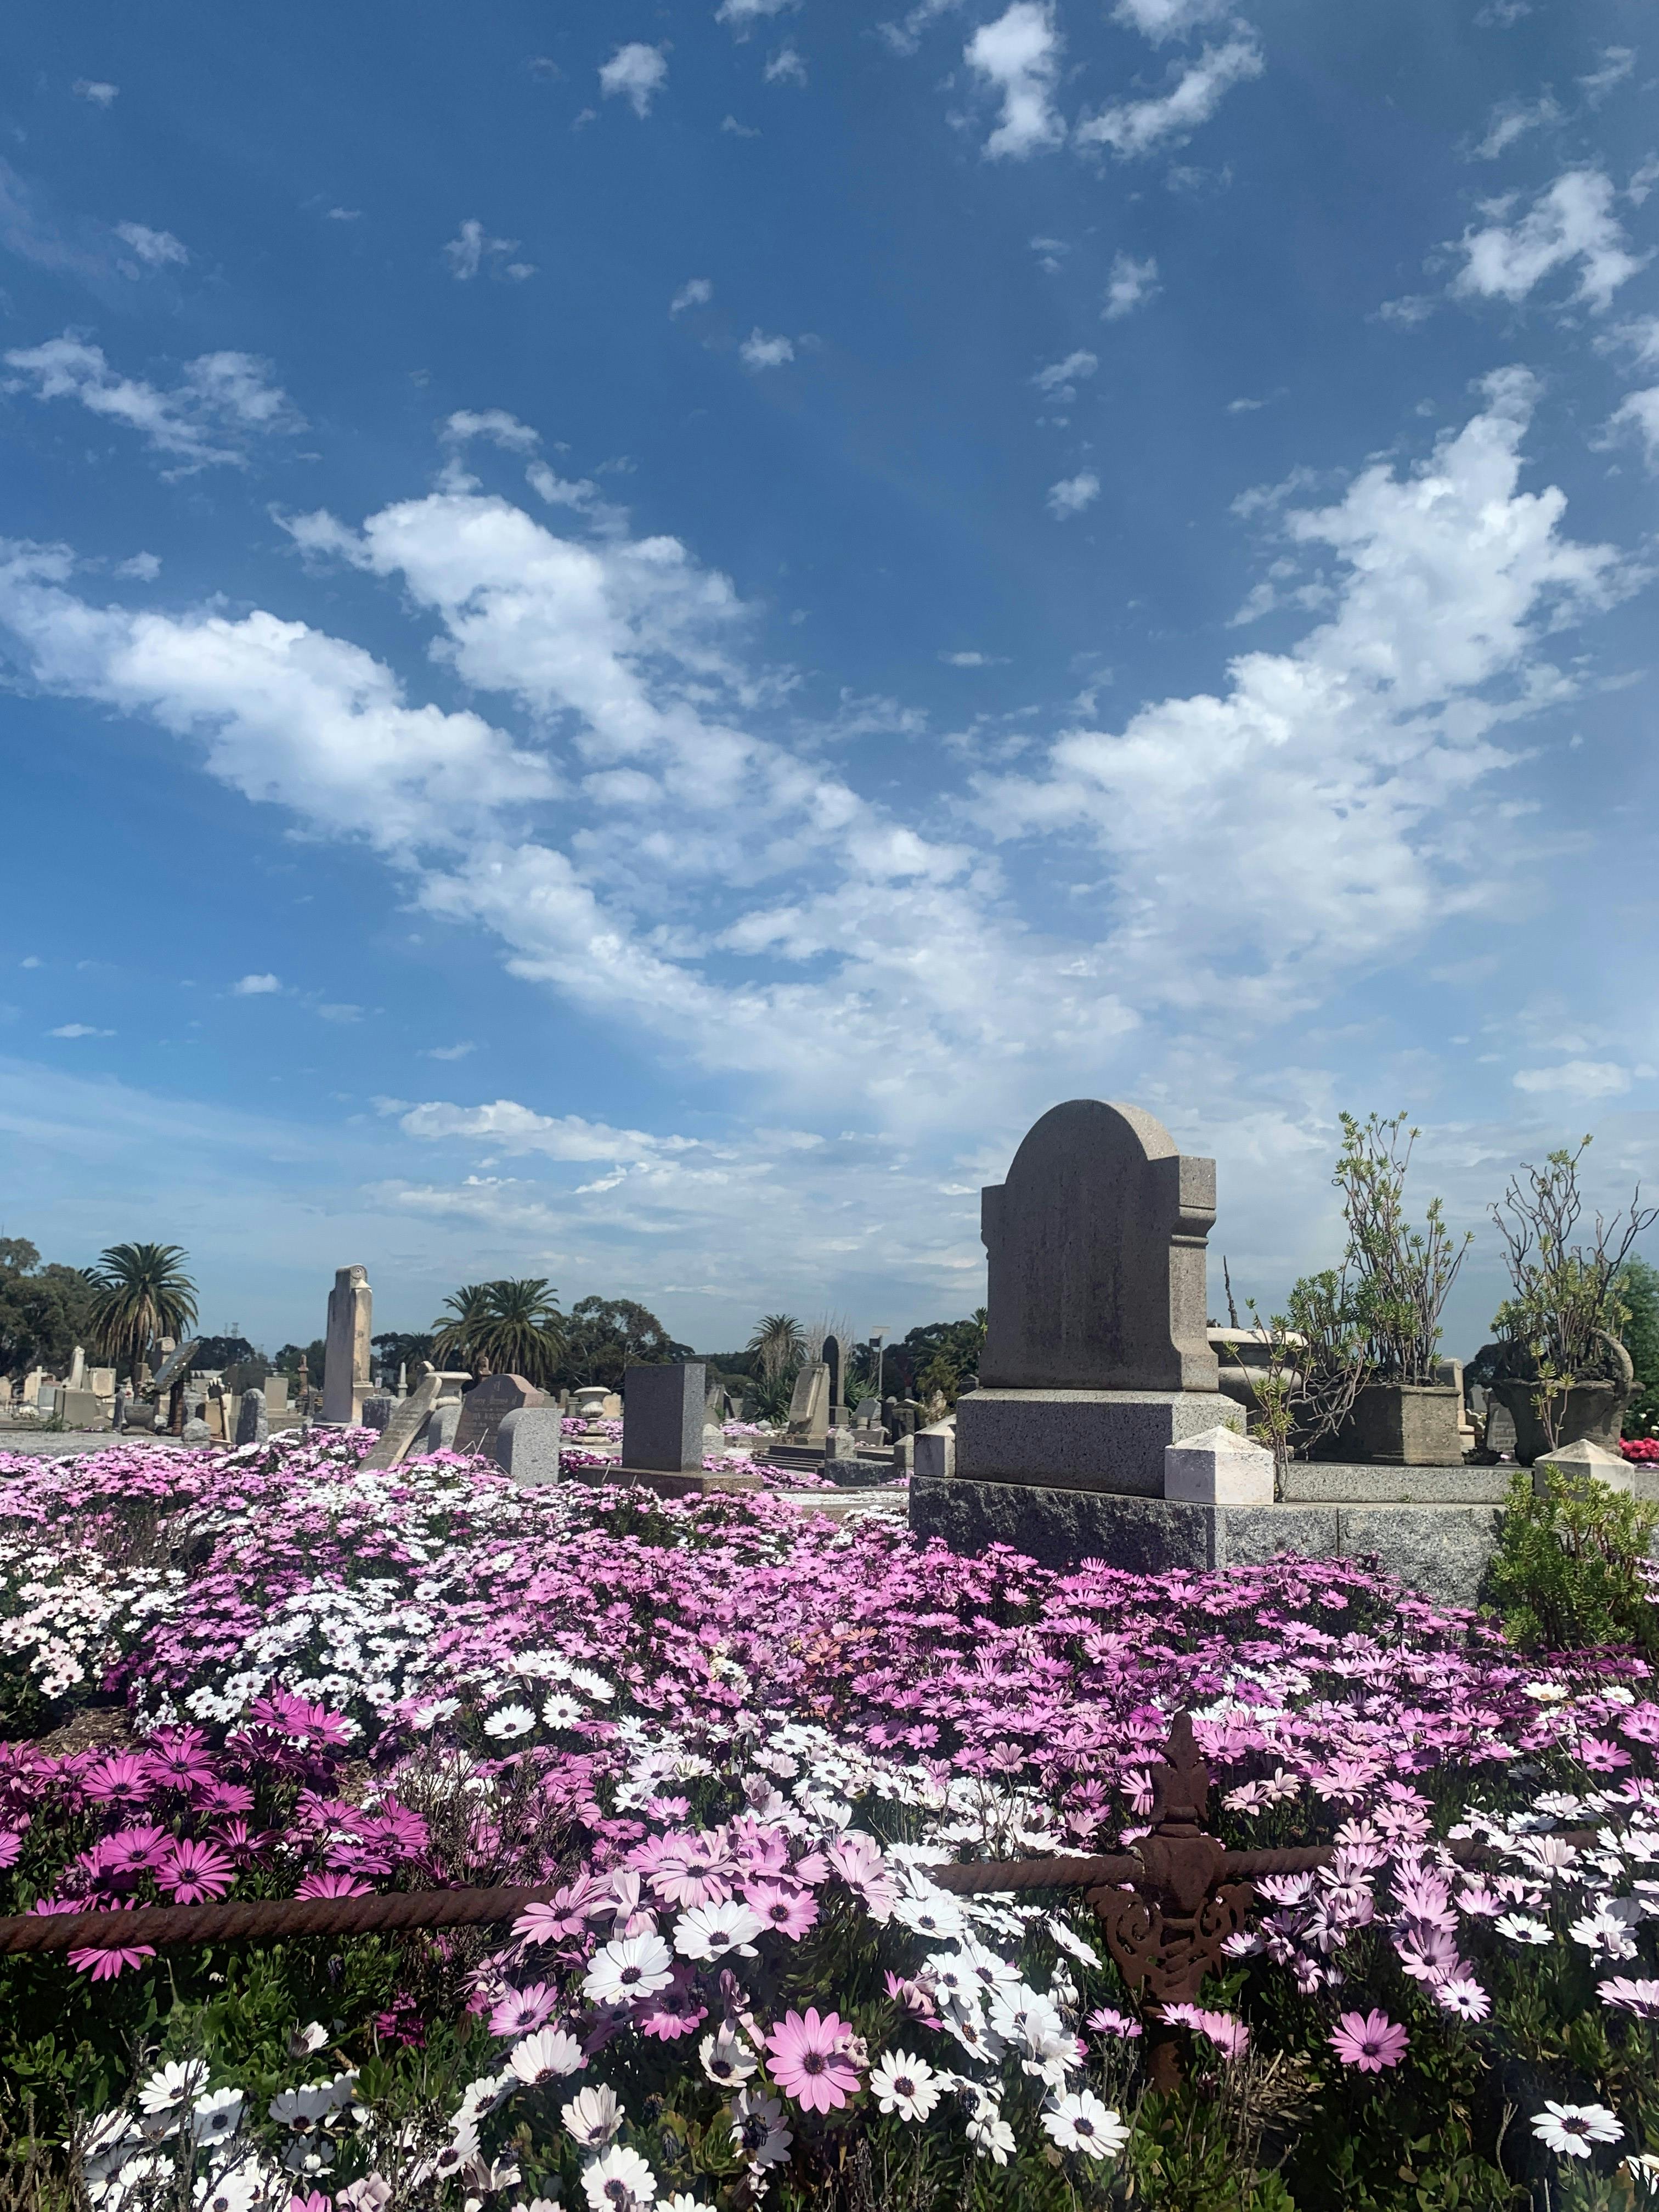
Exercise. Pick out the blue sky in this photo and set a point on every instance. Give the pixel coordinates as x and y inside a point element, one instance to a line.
<point>633,634</point>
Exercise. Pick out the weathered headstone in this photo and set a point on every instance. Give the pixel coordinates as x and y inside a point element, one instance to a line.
<point>1500,1428</point>
<point>935,1453</point>
<point>662,1417</point>
<point>438,1432</point>
<point>250,1422</point>
<point>276,1394</point>
<point>867,1413</point>
<point>195,1432</point>
<point>808,1405</point>
<point>80,1409</point>
<point>77,1374</point>
<point>484,1407</point>
<point>177,1362</point>
<point>528,1443</point>
<point>611,1406</point>
<point>349,1351</point>
<point>404,1424</point>
<point>831,1356</point>
<point>377,1409</point>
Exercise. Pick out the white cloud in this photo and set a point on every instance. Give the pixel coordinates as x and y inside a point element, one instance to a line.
<point>1132,128</point>
<point>494,423</point>
<point>733,129</point>
<point>472,247</point>
<point>1059,379</point>
<point>1414,308</point>
<point>345,214</point>
<point>1168,19</point>
<point>905,36</point>
<point>339,1013</point>
<point>449,1051</point>
<point>1570,221</point>
<point>257,986</point>
<point>219,399</point>
<point>157,247</point>
<point>786,67</point>
<point>143,568</point>
<point>506,1126</point>
<point>971,660</point>
<point>78,1029</point>
<point>1020,55</point>
<point>696,292</point>
<point>1617,63</point>
<point>1640,411</point>
<point>1576,1078</point>
<point>758,351</point>
<point>638,73</point>
<point>743,15</point>
<point>1073,493</point>
<point>1329,770</point>
<point>94,89</point>
<point>1512,119</point>
<point>1131,284</point>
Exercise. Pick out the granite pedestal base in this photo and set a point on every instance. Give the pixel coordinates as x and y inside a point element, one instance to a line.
<point>1440,1548</point>
<point>665,1484</point>
<point>1095,1440</point>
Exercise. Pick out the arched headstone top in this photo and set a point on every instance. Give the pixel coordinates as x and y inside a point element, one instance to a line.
<point>1096,1251</point>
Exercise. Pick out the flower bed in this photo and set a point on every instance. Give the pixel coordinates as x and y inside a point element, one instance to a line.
<point>737,1736</point>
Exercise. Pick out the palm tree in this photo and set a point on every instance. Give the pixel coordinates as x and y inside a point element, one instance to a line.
<point>779,1343</point>
<point>523,1330</point>
<point>143,1293</point>
<point>456,1332</point>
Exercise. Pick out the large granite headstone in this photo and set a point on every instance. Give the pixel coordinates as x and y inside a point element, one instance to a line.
<point>348,1351</point>
<point>250,1424</point>
<point>484,1407</point>
<point>662,1417</point>
<point>528,1443</point>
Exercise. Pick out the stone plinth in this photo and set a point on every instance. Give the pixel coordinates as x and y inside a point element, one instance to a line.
<point>1218,1468</point>
<point>1584,1458</point>
<point>662,1418</point>
<point>1110,1440</point>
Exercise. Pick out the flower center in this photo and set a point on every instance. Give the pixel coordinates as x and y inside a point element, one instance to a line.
<point>813,2062</point>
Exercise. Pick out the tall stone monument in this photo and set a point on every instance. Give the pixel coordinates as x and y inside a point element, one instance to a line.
<point>1096,1357</point>
<point>346,1365</point>
<point>808,1421</point>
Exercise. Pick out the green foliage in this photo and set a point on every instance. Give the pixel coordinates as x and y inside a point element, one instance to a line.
<point>287,1361</point>
<point>604,1336</point>
<point>399,1348</point>
<point>514,1324</point>
<point>45,1312</point>
<point>1403,1276</point>
<point>1639,1293</point>
<point>779,1344</point>
<point>1568,1568</point>
<point>143,1293</point>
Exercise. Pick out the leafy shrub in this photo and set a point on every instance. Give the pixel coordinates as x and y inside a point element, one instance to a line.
<point>1572,1566</point>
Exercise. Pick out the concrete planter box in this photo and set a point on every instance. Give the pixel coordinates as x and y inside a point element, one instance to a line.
<point>1593,1415</point>
<point>1403,1425</point>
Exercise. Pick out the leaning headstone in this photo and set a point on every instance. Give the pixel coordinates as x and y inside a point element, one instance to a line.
<point>1096,1356</point>
<point>528,1442</point>
<point>808,1405</point>
<point>176,1364</point>
<point>251,1423</point>
<point>662,1418</point>
<point>486,1405</point>
<point>377,1409</point>
<point>349,1351</point>
<point>404,1423</point>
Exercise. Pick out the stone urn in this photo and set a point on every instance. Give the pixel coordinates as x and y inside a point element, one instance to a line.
<point>1403,1425</point>
<point>1594,1413</point>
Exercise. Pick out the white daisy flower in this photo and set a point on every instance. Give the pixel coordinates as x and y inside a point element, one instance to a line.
<point>1571,2130</point>
<point>1081,2122</point>
<point>1521,1928</point>
<point>634,1966</point>
<point>547,2056</point>
<point>619,2181</point>
<point>711,1931</point>
<point>726,2059</point>
<point>510,1721</point>
<point>906,2085</point>
<point>593,2117</point>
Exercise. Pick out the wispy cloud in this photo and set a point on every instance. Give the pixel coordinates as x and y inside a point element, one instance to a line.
<point>473,248</point>
<point>96,91</point>
<point>758,351</point>
<point>696,292</point>
<point>1512,119</point>
<point>1074,494</point>
<point>257,986</point>
<point>1134,128</point>
<point>79,1029</point>
<point>1570,224</point>
<point>1059,379</point>
<point>221,401</point>
<point>155,248</point>
<point>1131,284</point>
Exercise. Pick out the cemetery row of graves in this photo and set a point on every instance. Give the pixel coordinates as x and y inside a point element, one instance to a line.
<point>738,1678</point>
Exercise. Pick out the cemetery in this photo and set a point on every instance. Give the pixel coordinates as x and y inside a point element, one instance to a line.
<point>1134,1760</point>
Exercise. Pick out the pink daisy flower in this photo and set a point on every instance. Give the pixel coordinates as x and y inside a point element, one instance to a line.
<point>789,1912</point>
<point>1369,2040</point>
<point>810,2061</point>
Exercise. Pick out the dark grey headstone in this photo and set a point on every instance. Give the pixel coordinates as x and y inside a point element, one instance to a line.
<point>488,1403</point>
<point>250,1425</point>
<point>1095,1257</point>
<point>831,1356</point>
<point>662,1417</point>
<point>377,1409</point>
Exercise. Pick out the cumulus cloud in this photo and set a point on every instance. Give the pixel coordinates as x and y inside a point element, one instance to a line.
<point>1073,493</point>
<point>786,67</point>
<point>145,567</point>
<point>1331,766</point>
<point>1059,379</point>
<point>96,91</point>
<point>1134,128</point>
<point>1131,284</point>
<point>257,986</point>
<point>156,247</point>
<point>1638,411</point>
<point>1576,1078</point>
<point>758,351</point>
<point>509,1128</point>
<point>696,292</point>
<point>473,248</point>
<point>1018,55</point>
<point>78,1029</point>
<point>221,401</point>
<point>494,423</point>
<point>1168,19</point>
<point>637,73</point>
<point>1570,222</point>
<point>742,15</point>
